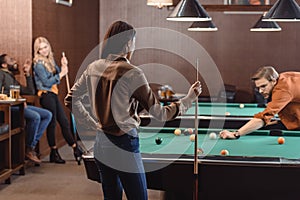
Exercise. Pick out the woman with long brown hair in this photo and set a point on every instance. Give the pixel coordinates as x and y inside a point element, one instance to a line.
<point>117,90</point>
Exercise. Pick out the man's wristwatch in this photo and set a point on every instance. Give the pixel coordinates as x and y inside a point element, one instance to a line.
<point>236,135</point>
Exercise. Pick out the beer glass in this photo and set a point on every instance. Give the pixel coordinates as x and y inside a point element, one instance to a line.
<point>14,91</point>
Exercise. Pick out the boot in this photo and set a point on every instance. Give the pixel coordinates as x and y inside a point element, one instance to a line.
<point>55,157</point>
<point>31,155</point>
<point>78,151</point>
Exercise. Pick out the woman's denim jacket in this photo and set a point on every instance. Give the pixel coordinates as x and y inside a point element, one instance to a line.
<point>43,78</point>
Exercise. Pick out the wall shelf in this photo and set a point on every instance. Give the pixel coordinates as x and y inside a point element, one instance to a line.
<point>238,8</point>
<point>12,142</point>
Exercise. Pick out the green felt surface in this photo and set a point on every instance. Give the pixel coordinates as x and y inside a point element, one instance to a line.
<point>220,109</point>
<point>256,144</point>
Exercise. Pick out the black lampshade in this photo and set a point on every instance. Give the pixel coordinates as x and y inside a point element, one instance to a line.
<point>265,26</point>
<point>203,26</point>
<point>284,11</point>
<point>189,10</point>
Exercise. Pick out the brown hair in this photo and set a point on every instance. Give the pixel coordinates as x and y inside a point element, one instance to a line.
<point>267,72</point>
<point>48,62</point>
<point>116,38</point>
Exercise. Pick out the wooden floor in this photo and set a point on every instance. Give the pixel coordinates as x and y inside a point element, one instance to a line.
<point>56,182</point>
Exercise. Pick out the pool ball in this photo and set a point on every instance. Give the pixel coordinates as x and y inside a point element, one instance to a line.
<point>188,131</point>
<point>191,131</point>
<point>280,140</point>
<point>192,137</point>
<point>158,140</point>
<point>200,151</point>
<point>177,131</point>
<point>185,132</point>
<point>242,105</point>
<point>227,113</point>
<point>224,152</point>
<point>212,136</point>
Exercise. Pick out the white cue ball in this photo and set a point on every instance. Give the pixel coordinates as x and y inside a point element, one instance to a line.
<point>242,105</point>
<point>212,136</point>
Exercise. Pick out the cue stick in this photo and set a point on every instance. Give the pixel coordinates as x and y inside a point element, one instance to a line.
<point>196,142</point>
<point>72,119</point>
<point>67,77</point>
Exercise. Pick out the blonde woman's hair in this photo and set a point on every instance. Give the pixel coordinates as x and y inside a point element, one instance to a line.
<point>48,62</point>
<point>267,72</point>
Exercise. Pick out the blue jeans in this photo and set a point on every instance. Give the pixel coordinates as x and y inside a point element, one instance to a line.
<point>120,166</point>
<point>37,120</point>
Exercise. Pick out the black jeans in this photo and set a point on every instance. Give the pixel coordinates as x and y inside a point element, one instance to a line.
<point>51,102</point>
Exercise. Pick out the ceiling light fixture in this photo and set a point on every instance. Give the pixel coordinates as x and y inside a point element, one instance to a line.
<point>203,26</point>
<point>189,10</point>
<point>265,26</point>
<point>283,11</point>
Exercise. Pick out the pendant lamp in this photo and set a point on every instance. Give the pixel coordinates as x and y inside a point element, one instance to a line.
<point>283,11</point>
<point>265,25</point>
<point>203,26</point>
<point>189,10</point>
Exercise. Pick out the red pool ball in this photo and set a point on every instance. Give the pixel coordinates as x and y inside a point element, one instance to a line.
<point>158,140</point>
<point>188,131</point>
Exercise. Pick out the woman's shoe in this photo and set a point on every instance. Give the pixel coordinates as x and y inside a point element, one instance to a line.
<point>78,153</point>
<point>55,157</point>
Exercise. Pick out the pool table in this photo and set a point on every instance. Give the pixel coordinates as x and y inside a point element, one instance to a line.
<point>257,167</point>
<point>216,115</point>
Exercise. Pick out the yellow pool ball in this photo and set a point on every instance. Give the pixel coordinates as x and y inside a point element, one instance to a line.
<point>192,137</point>
<point>177,131</point>
<point>242,105</point>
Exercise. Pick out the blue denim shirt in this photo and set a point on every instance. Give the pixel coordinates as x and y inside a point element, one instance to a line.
<point>43,78</point>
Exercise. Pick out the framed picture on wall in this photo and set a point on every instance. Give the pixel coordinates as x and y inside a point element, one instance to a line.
<point>247,2</point>
<point>64,2</point>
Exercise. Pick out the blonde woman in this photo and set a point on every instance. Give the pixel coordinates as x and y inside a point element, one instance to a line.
<point>47,76</point>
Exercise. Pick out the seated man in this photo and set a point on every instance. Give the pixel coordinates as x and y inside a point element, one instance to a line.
<point>37,119</point>
<point>283,94</point>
